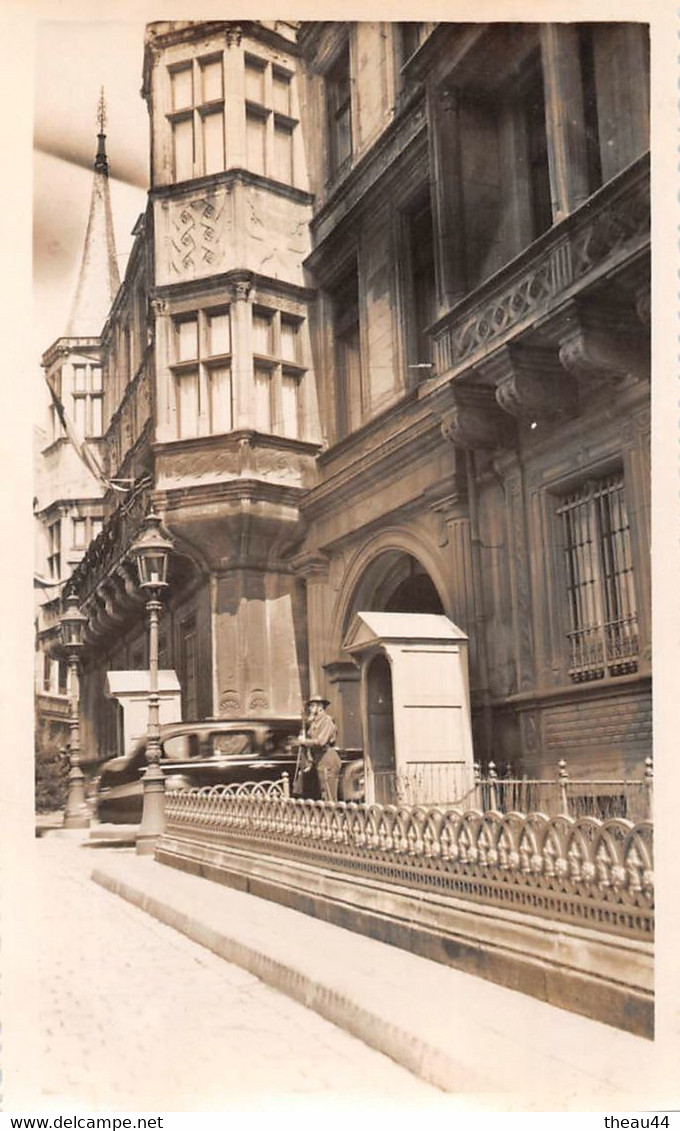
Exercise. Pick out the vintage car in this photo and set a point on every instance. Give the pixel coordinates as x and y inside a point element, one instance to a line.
<point>214,752</point>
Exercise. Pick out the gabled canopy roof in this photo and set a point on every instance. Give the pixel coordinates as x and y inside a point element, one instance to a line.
<point>369,628</point>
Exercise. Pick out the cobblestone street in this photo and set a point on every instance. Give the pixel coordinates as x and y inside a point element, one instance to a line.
<point>134,1016</point>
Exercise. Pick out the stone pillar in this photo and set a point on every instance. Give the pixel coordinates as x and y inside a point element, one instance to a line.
<point>258,643</point>
<point>447,202</point>
<point>565,120</point>
<point>314,569</point>
<point>344,678</point>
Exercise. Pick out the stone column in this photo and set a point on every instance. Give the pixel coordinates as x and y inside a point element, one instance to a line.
<point>242,352</point>
<point>314,569</point>
<point>344,678</point>
<point>447,201</point>
<point>565,119</point>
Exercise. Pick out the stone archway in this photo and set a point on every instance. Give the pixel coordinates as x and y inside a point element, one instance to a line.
<point>393,579</point>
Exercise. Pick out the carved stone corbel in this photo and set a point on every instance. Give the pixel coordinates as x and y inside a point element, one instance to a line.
<point>233,35</point>
<point>312,566</point>
<point>241,286</point>
<point>598,344</point>
<point>530,383</point>
<point>471,418</point>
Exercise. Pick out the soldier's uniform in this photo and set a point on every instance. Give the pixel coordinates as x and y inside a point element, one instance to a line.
<point>322,735</point>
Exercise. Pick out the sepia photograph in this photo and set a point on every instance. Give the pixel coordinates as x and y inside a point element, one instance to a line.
<point>340,382</point>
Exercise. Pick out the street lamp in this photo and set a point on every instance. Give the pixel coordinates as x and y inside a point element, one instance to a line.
<point>76,815</point>
<point>152,552</point>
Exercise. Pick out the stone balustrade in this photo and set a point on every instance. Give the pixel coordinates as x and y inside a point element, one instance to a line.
<point>609,231</point>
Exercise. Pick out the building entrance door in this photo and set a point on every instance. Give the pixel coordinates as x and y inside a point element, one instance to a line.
<point>381,729</point>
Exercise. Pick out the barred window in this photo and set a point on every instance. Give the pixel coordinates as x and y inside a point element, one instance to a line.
<point>603,632</point>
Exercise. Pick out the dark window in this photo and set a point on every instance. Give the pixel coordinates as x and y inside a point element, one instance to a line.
<point>592,128</point>
<point>54,549</point>
<point>339,110</point>
<point>603,632</point>
<point>189,668</point>
<point>423,295</point>
<point>537,148</point>
<point>411,36</point>
<point>63,677</point>
<point>347,353</point>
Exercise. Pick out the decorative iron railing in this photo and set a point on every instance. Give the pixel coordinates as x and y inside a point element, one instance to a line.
<point>583,870</point>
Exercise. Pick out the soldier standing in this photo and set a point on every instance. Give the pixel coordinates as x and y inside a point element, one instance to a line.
<point>320,739</point>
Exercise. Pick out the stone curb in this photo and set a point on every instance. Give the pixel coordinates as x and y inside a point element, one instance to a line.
<point>426,1061</point>
<point>506,1052</point>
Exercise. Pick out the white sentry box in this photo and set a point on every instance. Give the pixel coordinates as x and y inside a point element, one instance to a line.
<point>131,689</point>
<point>415,702</point>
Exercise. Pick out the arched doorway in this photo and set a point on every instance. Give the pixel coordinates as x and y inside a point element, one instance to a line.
<point>381,727</point>
<point>395,582</point>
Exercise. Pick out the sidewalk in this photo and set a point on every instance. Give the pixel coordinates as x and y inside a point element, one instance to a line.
<point>501,1049</point>
<point>126,1014</point>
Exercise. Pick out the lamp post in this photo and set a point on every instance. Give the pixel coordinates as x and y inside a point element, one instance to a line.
<point>77,814</point>
<point>152,552</point>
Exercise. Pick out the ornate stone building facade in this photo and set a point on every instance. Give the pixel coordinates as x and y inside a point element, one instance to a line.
<point>383,344</point>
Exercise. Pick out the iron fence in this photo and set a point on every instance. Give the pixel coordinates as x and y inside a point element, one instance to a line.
<point>446,783</point>
<point>598,873</point>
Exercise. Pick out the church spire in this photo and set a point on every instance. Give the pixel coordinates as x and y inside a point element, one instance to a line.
<point>98,281</point>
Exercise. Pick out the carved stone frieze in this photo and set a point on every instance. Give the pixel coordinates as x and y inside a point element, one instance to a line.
<point>197,235</point>
<point>216,464</point>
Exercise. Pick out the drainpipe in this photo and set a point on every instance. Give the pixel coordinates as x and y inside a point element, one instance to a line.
<point>479,617</point>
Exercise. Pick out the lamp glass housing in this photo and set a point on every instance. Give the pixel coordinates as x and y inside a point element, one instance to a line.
<point>152,552</point>
<point>72,624</point>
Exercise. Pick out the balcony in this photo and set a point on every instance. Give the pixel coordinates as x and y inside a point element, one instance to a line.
<point>129,420</point>
<point>608,237</point>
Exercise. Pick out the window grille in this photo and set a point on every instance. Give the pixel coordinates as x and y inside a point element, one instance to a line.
<point>603,631</point>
